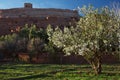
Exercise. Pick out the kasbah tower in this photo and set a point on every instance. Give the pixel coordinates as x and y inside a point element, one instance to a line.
<point>12,20</point>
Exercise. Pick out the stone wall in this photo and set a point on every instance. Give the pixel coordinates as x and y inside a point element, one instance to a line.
<point>61,59</point>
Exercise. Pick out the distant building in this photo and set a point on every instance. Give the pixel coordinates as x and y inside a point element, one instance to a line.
<point>13,19</point>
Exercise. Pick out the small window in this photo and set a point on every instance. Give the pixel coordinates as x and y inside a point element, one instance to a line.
<point>16,22</point>
<point>47,17</point>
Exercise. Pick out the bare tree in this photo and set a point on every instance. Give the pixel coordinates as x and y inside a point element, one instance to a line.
<point>116,8</point>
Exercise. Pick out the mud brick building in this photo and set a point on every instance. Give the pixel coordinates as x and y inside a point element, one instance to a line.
<point>12,20</point>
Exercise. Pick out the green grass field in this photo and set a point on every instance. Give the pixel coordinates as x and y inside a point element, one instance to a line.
<point>56,72</point>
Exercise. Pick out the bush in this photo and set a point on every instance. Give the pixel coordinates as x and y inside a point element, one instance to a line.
<point>8,45</point>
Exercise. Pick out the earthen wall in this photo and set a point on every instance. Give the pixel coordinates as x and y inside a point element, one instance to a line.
<point>12,19</point>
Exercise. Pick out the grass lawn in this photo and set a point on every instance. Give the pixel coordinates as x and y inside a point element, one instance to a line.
<point>56,72</point>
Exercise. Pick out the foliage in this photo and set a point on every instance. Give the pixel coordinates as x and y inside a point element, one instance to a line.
<point>8,45</point>
<point>96,34</point>
<point>21,45</point>
<point>50,47</point>
<point>36,38</point>
<point>8,42</point>
<point>24,32</point>
<point>29,40</point>
<point>116,9</point>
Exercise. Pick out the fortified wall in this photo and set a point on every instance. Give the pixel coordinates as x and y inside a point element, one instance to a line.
<point>11,20</point>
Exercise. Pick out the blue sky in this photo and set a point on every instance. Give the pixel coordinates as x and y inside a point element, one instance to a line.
<point>64,4</point>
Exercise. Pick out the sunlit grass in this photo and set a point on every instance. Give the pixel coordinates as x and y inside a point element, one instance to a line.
<point>57,72</point>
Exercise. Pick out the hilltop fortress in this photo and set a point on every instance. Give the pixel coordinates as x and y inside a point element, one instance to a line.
<point>11,20</point>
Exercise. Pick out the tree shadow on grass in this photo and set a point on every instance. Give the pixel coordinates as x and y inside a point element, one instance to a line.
<point>51,73</point>
<point>32,76</point>
<point>110,73</point>
<point>43,75</point>
<point>23,66</point>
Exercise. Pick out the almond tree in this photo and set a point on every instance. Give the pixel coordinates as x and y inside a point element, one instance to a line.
<point>116,8</point>
<point>94,36</point>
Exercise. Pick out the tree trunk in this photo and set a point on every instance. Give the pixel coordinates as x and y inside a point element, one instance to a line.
<point>96,65</point>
